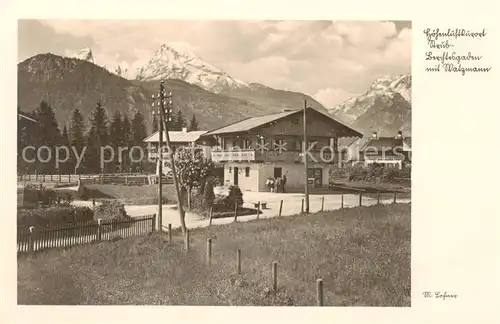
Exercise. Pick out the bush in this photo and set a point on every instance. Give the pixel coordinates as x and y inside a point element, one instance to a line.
<point>52,216</point>
<point>389,174</point>
<point>64,199</point>
<point>234,197</point>
<point>111,210</point>
<point>47,197</point>
<point>208,195</point>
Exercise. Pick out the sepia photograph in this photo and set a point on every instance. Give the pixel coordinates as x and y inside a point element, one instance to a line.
<point>214,162</point>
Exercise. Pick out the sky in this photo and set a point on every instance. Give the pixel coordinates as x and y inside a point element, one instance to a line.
<point>330,60</point>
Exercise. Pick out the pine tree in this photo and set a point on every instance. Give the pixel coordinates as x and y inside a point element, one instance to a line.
<point>66,167</point>
<point>47,134</point>
<point>139,133</point>
<point>179,121</point>
<point>127,140</point>
<point>76,138</point>
<point>193,124</point>
<point>116,139</point>
<point>97,137</point>
<point>155,124</point>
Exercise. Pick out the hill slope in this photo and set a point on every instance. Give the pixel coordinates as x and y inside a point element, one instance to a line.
<point>68,83</point>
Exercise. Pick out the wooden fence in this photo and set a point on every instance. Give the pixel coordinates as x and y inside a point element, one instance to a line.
<point>30,239</point>
<point>111,178</point>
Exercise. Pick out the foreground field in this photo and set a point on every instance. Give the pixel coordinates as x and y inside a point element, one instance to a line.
<point>362,254</point>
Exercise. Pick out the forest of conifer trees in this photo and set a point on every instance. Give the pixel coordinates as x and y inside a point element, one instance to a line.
<point>85,139</point>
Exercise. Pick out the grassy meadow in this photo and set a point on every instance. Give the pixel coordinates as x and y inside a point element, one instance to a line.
<point>362,254</point>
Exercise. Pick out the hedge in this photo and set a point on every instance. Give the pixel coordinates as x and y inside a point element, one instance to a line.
<point>53,216</point>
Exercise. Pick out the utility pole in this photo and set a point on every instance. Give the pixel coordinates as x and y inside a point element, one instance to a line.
<point>161,105</point>
<point>166,115</point>
<point>306,188</point>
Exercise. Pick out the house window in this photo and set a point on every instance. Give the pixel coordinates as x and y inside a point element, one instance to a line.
<point>247,144</point>
<point>247,172</point>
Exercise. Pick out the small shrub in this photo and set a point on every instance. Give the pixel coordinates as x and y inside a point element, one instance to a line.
<point>208,195</point>
<point>235,197</point>
<point>47,197</point>
<point>111,210</point>
<point>64,199</point>
<point>389,174</point>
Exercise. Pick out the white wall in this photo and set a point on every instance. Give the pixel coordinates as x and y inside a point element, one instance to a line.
<point>250,183</point>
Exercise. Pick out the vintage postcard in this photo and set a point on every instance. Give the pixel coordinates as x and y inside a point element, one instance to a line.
<point>249,162</point>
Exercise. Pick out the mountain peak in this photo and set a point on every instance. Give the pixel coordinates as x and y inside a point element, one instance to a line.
<point>386,105</point>
<point>171,63</point>
<point>85,54</point>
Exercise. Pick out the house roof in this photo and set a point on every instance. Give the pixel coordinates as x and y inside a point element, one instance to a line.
<point>254,122</point>
<point>176,136</point>
<point>19,115</point>
<point>382,143</point>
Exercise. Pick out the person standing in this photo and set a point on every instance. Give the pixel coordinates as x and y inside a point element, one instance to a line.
<point>283,183</point>
<point>278,184</point>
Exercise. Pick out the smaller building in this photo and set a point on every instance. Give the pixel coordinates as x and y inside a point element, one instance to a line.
<point>177,139</point>
<point>388,151</point>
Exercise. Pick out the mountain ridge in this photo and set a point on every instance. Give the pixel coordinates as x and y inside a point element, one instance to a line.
<point>68,83</point>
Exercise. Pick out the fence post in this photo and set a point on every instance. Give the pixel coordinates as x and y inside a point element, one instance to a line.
<point>169,233</point>
<point>275,275</point>
<point>281,208</point>
<point>209,251</point>
<point>186,240</point>
<point>126,180</point>
<point>210,216</point>
<point>394,196</point>
<point>360,199</point>
<point>79,177</point>
<point>59,176</point>
<point>235,212</point>
<point>29,177</point>
<point>43,177</point>
<point>153,223</point>
<point>51,177</point>
<point>36,176</point>
<point>258,209</point>
<point>322,203</point>
<point>342,201</point>
<point>31,239</point>
<point>69,178</point>
<point>99,230</point>
<point>378,198</point>
<point>238,261</point>
<point>319,292</point>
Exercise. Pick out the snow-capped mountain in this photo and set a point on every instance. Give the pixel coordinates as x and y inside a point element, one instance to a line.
<point>385,107</point>
<point>385,86</point>
<point>169,63</point>
<point>85,54</point>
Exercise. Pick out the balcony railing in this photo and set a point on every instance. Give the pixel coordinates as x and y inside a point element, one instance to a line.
<point>384,158</point>
<point>252,155</point>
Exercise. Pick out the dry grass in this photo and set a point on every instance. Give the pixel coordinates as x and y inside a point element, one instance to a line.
<point>362,254</point>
